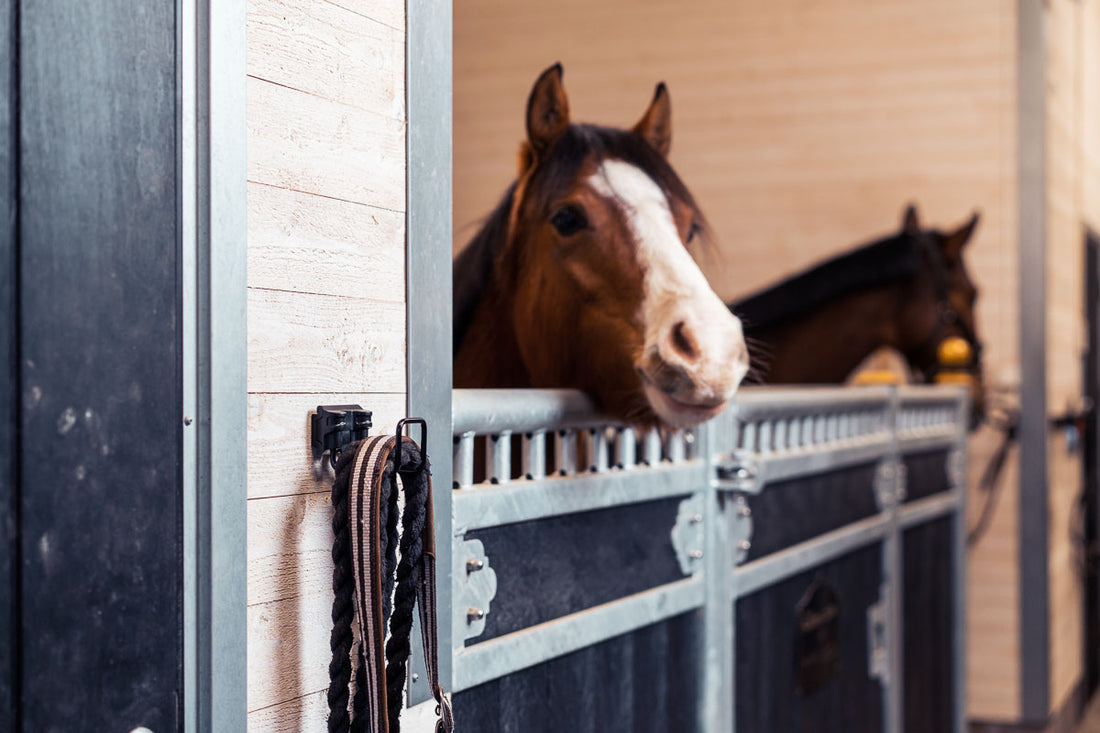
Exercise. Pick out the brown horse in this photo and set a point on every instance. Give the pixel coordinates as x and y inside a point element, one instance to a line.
<point>582,276</point>
<point>910,292</point>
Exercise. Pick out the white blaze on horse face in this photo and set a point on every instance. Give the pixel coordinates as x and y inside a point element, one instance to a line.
<point>694,354</point>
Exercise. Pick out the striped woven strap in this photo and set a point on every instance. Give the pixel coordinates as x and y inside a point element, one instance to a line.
<point>372,515</point>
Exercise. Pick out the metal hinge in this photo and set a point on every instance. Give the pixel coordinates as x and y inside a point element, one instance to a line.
<point>688,535</point>
<point>889,483</point>
<point>739,472</point>
<point>479,589</point>
<point>740,528</point>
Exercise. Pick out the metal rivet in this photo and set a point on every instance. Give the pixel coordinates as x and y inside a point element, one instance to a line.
<point>415,677</point>
<point>744,545</point>
<point>695,554</point>
<point>744,510</point>
<point>474,564</point>
<point>186,421</point>
<point>696,518</point>
<point>474,614</point>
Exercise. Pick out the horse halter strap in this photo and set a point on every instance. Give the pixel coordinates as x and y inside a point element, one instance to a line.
<point>926,357</point>
<point>367,682</point>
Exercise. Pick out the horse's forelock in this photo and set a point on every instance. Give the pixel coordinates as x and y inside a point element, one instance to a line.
<point>584,144</point>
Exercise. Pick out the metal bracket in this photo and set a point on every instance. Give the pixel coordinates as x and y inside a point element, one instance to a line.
<point>335,427</point>
<point>739,472</point>
<point>889,483</point>
<point>878,641</point>
<point>688,535</point>
<point>479,589</point>
<point>741,529</point>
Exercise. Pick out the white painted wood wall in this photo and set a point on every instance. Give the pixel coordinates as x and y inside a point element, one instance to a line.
<point>326,310</point>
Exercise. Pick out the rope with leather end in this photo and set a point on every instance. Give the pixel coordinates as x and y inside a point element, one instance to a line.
<point>366,692</point>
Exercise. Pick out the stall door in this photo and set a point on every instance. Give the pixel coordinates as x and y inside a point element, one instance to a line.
<point>90,370</point>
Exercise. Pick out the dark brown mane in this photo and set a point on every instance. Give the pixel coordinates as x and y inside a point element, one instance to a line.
<point>473,266</point>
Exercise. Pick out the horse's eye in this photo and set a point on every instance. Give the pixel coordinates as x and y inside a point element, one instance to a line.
<point>695,229</point>
<point>569,220</point>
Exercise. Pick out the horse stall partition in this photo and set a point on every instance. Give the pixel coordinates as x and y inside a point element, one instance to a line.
<point>796,563</point>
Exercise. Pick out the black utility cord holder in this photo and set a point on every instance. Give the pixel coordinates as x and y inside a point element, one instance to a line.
<point>335,427</point>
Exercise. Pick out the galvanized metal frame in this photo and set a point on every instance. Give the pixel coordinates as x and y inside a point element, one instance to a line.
<point>211,180</point>
<point>787,432</point>
<point>428,93</point>
<point>1031,205</point>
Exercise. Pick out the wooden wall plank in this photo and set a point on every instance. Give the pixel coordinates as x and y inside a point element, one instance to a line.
<point>313,145</point>
<point>330,52</point>
<point>384,11</point>
<point>300,342</point>
<point>311,244</point>
<point>306,713</point>
<point>993,592</point>
<point>290,556</point>
<point>288,648</point>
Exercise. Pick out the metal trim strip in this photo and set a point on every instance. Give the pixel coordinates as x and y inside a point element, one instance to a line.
<point>490,660</point>
<point>526,500</point>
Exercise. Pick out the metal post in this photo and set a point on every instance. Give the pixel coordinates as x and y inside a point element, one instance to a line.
<point>428,60</point>
<point>892,578</point>
<point>717,653</point>
<point>213,232</point>
<point>957,477</point>
<point>1032,550</point>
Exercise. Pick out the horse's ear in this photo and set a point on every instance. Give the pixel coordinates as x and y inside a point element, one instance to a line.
<point>954,242</point>
<point>547,111</point>
<point>656,124</point>
<point>909,222</point>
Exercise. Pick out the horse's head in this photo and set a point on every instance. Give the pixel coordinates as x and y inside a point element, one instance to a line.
<point>937,327</point>
<point>605,295</point>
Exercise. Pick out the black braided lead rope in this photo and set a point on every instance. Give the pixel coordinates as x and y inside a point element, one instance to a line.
<point>343,609</point>
<point>370,467</point>
<point>408,579</point>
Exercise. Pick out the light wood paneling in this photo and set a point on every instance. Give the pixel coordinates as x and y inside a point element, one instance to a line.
<point>1089,94</point>
<point>311,144</point>
<point>993,593</point>
<point>322,49</point>
<point>301,342</point>
<point>1066,178</point>
<point>288,647</point>
<point>297,715</point>
<point>311,244</point>
<point>326,318</point>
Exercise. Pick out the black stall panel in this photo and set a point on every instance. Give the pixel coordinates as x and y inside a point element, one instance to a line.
<point>926,474</point>
<point>789,512</point>
<point>9,389</point>
<point>927,620</point>
<point>643,682</point>
<point>552,567</point>
<point>100,373</point>
<point>767,634</point>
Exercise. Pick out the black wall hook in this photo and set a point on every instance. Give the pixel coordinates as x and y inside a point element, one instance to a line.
<point>335,427</point>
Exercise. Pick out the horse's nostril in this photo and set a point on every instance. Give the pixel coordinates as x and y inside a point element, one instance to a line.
<point>683,342</point>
